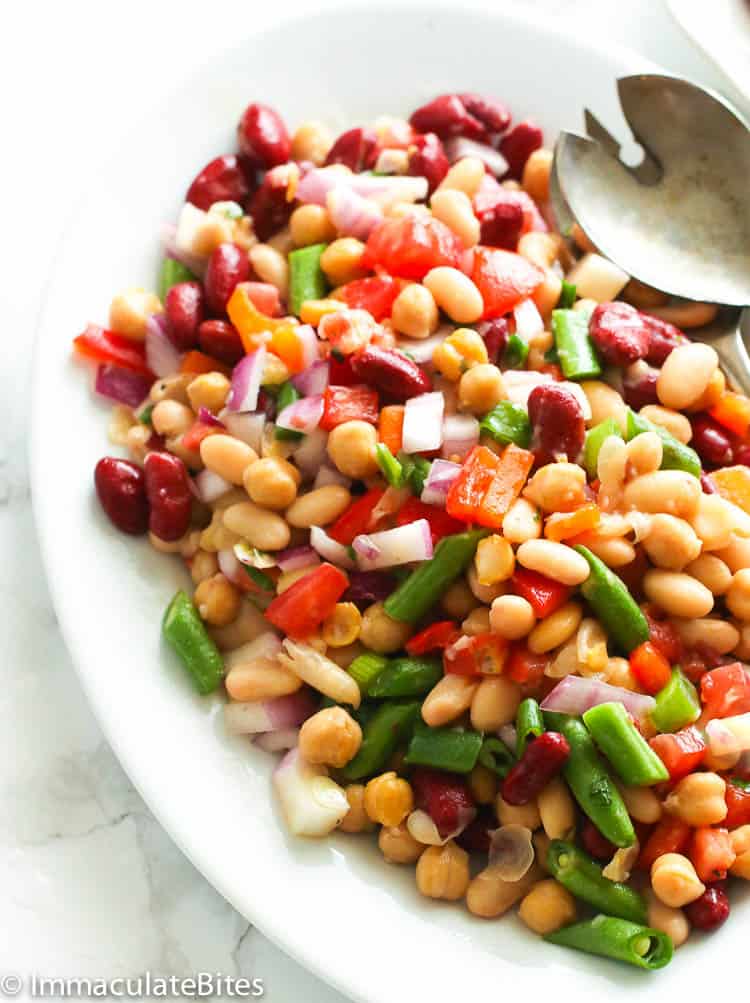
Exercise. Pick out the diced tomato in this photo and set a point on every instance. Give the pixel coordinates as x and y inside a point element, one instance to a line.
<point>375,294</point>
<point>669,836</point>
<point>481,655</point>
<point>544,594</point>
<point>341,371</point>
<point>504,279</point>
<point>681,752</point>
<point>441,524</point>
<point>305,605</point>
<point>342,404</point>
<point>106,346</point>
<point>409,247</point>
<point>711,853</point>
<point>356,519</point>
<point>433,638</point>
<point>664,638</point>
<point>738,806</point>
<point>724,691</point>
<point>525,666</point>
<point>264,297</point>
<point>468,489</point>
<point>650,667</point>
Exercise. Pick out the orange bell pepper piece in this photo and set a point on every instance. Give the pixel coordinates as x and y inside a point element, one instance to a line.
<point>733,483</point>
<point>563,525</point>
<point>285,343</point>
<point>733,412</point>
<point>252,325</point>
<point>390,427</point>
<point>467,492</point>
<point>510,477</point>
<point>198,362</point>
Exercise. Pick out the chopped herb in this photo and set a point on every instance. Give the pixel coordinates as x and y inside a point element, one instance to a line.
<point>262,580</point>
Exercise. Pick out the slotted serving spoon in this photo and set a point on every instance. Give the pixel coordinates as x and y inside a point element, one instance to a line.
<point>679,220</point>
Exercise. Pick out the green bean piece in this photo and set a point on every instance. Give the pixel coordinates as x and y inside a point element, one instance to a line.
<point>589,780</point>
<point>287,395</point>
<point>185,632</point>
<point>366,668</point>
<point>390,725</point>
<point>144,415</point>
<point>496,756</point>
<point>507,422</point>
<point>613,605</point>
<point>424,586</point>
<point>452,749</point>
<point>390,467</point>
<point>529,724</point>
<point>307,280</point>
<point>675,454</point>
<point>677,705</point>
<point>595,440</point>
<point>516,353</point>
<point>170,273</point>
<point>609,937</point>
<point>568,295</point>
<point>406,677</point>
<point>575,349</point>
<point>583,877</point>
<point>416,470</point>
<point>619,740</point>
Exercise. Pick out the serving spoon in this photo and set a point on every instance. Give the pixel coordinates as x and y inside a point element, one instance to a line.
<point>680,219</point>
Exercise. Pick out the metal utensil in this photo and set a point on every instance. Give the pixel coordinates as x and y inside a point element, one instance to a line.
<point>680,219</point>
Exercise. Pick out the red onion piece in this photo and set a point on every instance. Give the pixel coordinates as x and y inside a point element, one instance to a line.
<point>575,695</point>
<point>278,741</point>
<point>520,382</point>
<point>210,486</point>
<point>294,558</point>
<point>121,385</point>
<point>366,587</point>
<point>278,714</point>
<point>194,264</point>
<point>442,474</point>
<point>511,852</point>
<point>317,183</point>
<point>162,357</point>
<point>423,422</point>
<point>392,547</point>
<point>422,350</point>
<point>247,426</point>
<point>352,214</point>
<point>313,380</point>
<point>206,418</point>
<point>303,415</point>
<point>329,475</point>
<point>457,149</point>
<point>460,434</point>
<point>330,549</point>
<point>312,803</point>
<point>528,320</point>
<point>311,453</point>
<point>246,377</point>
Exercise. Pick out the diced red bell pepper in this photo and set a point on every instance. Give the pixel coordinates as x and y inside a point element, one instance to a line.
<point>197,432</point>
<point>670,835</point>
<point>504,279</point>
<point>650,667</point>
<point>106,346</point>
<point>664,638</point>
<point>444,796</point>
<point>441,524</point>
<point>711,853</point>
<point>198,363</point>
<point>738,806</point>
<point>468,489</point>
<point>300,610</point>
<point>356,519</point>
<point>481,655</point>
<point>544,594</point>
<point>342,404</point>
<point>433,638</point>
<point>409,247</point>
<point>375,294</point>
<point>724,691</point>
<point>525,666</point>
<point>510,477</point>
<point>681,752</point>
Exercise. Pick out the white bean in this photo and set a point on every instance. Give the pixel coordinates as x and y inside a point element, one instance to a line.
<point>555,560</point>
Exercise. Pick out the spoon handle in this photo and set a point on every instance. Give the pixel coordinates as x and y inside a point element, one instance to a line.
<point>734,358</point>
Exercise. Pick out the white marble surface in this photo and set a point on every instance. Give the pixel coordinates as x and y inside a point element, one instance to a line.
<point>91,885</point>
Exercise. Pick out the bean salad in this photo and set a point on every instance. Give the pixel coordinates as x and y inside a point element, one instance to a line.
<point>466,514</point>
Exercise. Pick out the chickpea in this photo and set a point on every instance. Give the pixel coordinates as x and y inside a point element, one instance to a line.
<point>226,456</point>
<point>536,174</point>
<point>547,907</point>
<point>671,543</point>
<point>380,632</point>
<point>455,294</point>
<point>489,896</point>
<point>443,872</point>
<point>556,809</point>
<point>351,447</point>
<point>414,312</point>
<point>137,439</point>
<point>341,627</point>
<point>738,595</point>
<point>203,565</point>
<point>208,390</point>
<point>526,815</point>
<point>619,673</point>
<point>356,819</point>
<point>642,804</point>
<point>250,623</point>
<point>170,418</point>
<point>512,617</point>
<point>217,600</point>
<point>481,388</point>
<point>740,840</point>
<point>271,482</point>
<point>270,265</point>
<point>494,702</point>
<point>674,880</point>
<point>483,784</point>
<point>129,312</point>
<point>398,846</point>
<point>460,351</point>
<point>698,799</point>
<point>742,651</point>
<point>448,699</point>
<point>312,141</point>
<point>331,737</point>
<point>458,600</point>
<point>342,261</point>
<point>477,622</point>
<point>311,224</point>
<point>670,921</point>
<point>388,799</point>
<point>675,423</point>
<point>454,208</point>
<point>522,522</point>
<point>319,507</point>
<point>558,487</point>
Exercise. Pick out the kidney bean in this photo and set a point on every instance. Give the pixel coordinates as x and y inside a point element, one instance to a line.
<point>263,137</point>
<point>427,159</point>
<point>220,339</point>
<point>446,116</point>
<point>619,333</point>
<point>224,179</point>
<point>710,910</point>
<point>121,489</point>
<point>518,145</point>
<point>663,337</point>
<point>501,225</point>
<point>357,148</point>
<point>227,266</point>
<point>594,843</point>
<point>390,372</point>
<point>445,797</point>
<point>476,836</point>
<point>495,334</point>
<point>557,422</point>
<point>639,386</point>
<point>169,494</point>
<point>711,442</point>
<point>492,113</point>
<point>542,760</point>
<point>184,309</point>
<point>269,206</point>
<point>742,454</point>
<point>707,485</point>
<point>367,587</point>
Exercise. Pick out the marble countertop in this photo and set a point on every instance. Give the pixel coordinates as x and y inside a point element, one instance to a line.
<point>92,886</point>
